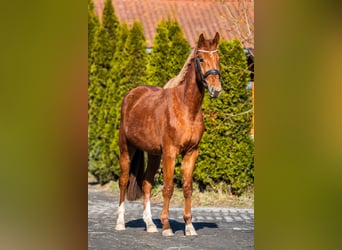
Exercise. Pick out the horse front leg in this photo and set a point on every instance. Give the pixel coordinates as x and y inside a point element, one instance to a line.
<point>188,165</point>
<point>168,171</point>
<point>152,167</point>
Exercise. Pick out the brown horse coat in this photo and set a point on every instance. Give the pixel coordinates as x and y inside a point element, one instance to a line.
<point>165,122</point>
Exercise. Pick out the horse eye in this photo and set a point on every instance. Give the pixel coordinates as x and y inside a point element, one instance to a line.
<point>201,60</point>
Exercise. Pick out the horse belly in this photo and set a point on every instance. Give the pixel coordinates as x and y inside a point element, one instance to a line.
<point>141,122</point>
<point>143,133</point>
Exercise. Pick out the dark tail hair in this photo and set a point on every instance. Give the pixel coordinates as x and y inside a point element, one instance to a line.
<point>136,174</point>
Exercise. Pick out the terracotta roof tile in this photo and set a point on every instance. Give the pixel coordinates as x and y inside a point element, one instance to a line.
<point>195,17</point>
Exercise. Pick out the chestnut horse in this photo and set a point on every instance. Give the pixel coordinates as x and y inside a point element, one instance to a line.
<point>165,122</point>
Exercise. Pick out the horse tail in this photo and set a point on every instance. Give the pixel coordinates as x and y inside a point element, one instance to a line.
<point>136,174</point>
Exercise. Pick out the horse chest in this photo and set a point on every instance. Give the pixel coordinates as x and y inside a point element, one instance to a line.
<point>189,135</point>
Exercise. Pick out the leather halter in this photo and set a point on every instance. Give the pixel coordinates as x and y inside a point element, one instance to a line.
<point>209,72</point>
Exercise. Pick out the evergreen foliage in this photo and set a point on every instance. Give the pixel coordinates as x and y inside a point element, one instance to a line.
<point>169,53</point>
<point>116,76</point>
<point>110,22</point>
<point>93,24</point>
<point>101,96</point>
<point>106,167</point>
<point>135,61</point>
<point>179,50</point>
<point>226,149</point>
<point>101,57</point>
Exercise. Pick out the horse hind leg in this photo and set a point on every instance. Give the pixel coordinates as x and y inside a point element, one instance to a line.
<point>152,167</point>
<point>123,182</point>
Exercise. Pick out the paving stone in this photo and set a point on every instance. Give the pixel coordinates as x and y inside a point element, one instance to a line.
<point>217,228</point>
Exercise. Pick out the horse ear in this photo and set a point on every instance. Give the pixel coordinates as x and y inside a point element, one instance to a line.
<point>216,38</point>
<point>201,40</point>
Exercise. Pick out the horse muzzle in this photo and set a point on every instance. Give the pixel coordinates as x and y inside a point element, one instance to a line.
<point>214,91</point>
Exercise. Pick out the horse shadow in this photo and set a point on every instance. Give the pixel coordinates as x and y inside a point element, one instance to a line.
<point>176,225</point>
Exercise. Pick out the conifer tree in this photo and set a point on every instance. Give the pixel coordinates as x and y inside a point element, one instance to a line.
<point>116,75</point>
<point>100,91</point>
<point>93,24</point>
<point>107,165</point>
<point>135,63</point>
<point>226,149</point>
<point>159,62</point>
<point>110,22</point>
<point>180,48</point>
<point>101,57</point>
<point>169,53</point>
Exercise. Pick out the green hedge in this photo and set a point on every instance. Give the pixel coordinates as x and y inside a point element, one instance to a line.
<point>226,149</point>
<point>170,50</point>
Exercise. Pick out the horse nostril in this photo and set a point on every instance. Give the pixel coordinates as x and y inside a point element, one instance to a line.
<point>214,91</point>
<point>217,93</point>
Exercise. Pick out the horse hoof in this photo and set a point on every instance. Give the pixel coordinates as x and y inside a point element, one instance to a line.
<point>120,227</point>
<point>190,230</point>
<point>191,233</point>
<point>152,229</point>
<point>167,232</point>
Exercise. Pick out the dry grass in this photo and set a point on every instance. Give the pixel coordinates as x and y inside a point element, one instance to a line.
<point>217,197</point>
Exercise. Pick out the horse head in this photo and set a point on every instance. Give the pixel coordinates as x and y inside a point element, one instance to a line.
<point>207,64</point>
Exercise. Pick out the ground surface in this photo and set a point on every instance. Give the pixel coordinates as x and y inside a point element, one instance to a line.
<point>217,227</point>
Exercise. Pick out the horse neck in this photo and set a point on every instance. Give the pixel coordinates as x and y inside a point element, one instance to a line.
<point>193,91</point>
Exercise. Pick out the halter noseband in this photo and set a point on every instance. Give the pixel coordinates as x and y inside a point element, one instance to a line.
<point>209,72</point>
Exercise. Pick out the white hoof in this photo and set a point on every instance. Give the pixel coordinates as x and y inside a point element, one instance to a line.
<point>120,227</point>
<point>152,229</point>
<point>190,230</point>
<point>167,232</point>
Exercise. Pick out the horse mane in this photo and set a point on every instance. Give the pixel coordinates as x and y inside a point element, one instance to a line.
<point>177,80</point>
